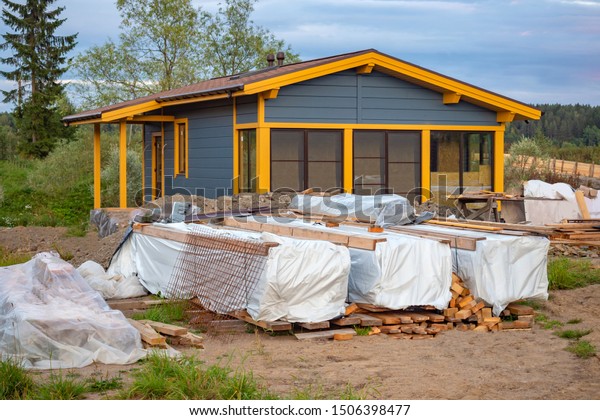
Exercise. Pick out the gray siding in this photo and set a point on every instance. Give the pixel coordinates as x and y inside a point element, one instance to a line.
<point>247,109</point>
<point>210,147</point>
<point>374,98</point>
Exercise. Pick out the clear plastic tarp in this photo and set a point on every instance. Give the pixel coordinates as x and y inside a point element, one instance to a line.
<point>51,318</point>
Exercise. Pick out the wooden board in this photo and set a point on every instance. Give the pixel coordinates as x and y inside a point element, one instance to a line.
<point>347,320</point>
<point>324,334</point>
<point>368,320</point>
<point>464,225</point>
<point>267,325</point>
<point>516,309</point>
<point>166,329</point>
<point>314,325</point>
<point>579,197</point>
<point>468,243</point>
<point>148,334</point>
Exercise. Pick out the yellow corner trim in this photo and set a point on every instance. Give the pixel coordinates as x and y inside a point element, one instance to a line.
<point>271,93</point>
<point>366,69</point>
<point>177,169</point>
<point>451,98</point>
<point>151,118</point>
<point>505,116</point>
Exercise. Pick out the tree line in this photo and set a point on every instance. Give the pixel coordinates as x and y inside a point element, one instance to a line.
<point>163,44</point>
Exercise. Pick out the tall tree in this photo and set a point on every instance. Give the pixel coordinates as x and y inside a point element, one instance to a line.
<point>159,49</point>
<point>166,44</point>
<point>235,44</point>
<point>38,61</point>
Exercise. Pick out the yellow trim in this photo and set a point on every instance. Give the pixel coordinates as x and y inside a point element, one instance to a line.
<point>122,165</point>
<point>451,98</point>
<point>236,152</point>
<point>143,164</point>
<point>426,164</point>
<point>504,117</point>
<point>405,71</point>
<point>366,69</point>
<point>151,118</point>
<point>97,166</point>
<point>94,121</point>
<point>130,111</point>
<point>348,161</point>
<point>199,99</point>
<point>153,137</point>
<point>176,169</point>
<point>341,126</point>
<point>263,148</point>
<point>499,161</point>
<point>162,154</point>
<point>271,93</point>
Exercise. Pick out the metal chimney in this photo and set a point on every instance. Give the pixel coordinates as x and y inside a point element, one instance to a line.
<point>270,60</point>
<point>280,58</point>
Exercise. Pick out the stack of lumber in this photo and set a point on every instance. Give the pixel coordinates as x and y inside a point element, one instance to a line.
<point>158,334</point>
<point>576,232</point>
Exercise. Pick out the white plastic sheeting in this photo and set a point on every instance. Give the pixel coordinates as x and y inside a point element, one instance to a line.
<point>503,268</point>
<point>303,281</point>
<point>559,203</point>
<point>51,318</point>
<point>402,271</point>
<point>110,286</point>
<point>382,209</point>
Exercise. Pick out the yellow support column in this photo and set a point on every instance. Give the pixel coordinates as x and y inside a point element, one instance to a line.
<point>97,166</point>
<point>123,165</point>
<point>499,160</point>
<point>426,164</point>
<point>263,150</point>
<point>347,162</point>
<point>236,152</point>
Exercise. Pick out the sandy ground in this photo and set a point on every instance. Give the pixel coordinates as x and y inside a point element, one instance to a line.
<point>454,365</point>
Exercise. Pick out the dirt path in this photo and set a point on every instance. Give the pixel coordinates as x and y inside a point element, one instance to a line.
<point>454,365</point>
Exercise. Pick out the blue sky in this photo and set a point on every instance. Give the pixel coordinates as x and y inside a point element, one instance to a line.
<point>535,51</point>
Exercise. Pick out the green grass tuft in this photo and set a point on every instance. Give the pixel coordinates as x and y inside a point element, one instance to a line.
<point>11,258</point>
<point>168,313</point>
<point>362,331</point>
<point>61,387</point>
<point>565,273</point>
<point>15,382</point>
<point>572,334</point>
<point>582,348</point>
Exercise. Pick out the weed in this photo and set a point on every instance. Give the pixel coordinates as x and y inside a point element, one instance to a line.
<point>168,312</point>
<point>565,273</point>
<point>61,387</point>
<point>362,331</point>
<point>11,258</point>
<point>15,382</point>
<point>546,322</point>
<point>572,334</point>
<point>105,384</point>
<point>65,255</point>
<point>582,348</point>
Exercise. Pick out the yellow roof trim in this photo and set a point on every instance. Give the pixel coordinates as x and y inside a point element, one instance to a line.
<point>130,111</point>
<point>451,98</point>
<point>405,71</point>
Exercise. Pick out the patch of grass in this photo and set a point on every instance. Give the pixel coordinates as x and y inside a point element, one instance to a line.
<point>65,255</point>
<point>168,313</point>
<point>11,258</point>
<point>546,322</point>
<point>582,348</point>
<point>61,387</point>
<point>362,331</point>
<point>165,378</point>
<point>574,321</point>
<point>572,334</point>
<point>105,384</point>
<point>316,392</point>
<point>15,382</point>
<point>565,273</point>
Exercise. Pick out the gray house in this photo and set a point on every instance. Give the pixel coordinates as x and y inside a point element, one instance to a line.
<point>364,122</point>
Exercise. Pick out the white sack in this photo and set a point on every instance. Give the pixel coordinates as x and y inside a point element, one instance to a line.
<point>110,286</point>
<point>51,318</point>
<point>304,281</point>
<point>404,271</point>
<point>503,268</point>
<point>541,189</point>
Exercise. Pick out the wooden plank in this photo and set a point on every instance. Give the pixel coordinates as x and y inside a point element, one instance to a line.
<point>465,301</point>
<point>432,316</point>
<point>457,288</point>
<point>541,230</point>
<point>267,325</point>
<point>464,225</point>
<point>342,336</point>
<point>166,329</point>
<point>390,329</point>
<point>392,318</point>
<point>372,308</point>
<point>486,312</point>
<point>463,314</point>
<point>314,325</point>
<point>347,320</point>
<point>478,307</point>
<point>517,309</point>
<point>189,339</point>
<point>148,334</point>
<point>368,320</point>
<point>468,243</point>
<point>449,312</point>
<point>579,197</point>
<point>350,309</point>
<point>324,334</point>
<point>218,243</point>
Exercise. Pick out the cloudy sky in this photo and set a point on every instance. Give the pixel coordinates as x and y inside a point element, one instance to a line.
<point>535,51</point>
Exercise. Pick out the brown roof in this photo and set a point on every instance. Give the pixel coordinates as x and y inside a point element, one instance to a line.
<point>214,86</point>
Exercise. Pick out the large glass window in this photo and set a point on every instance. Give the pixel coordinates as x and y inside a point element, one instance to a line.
<point>247,149</point>
<point>460,161</point>
<point>302,159</point>
<point>387,162</point>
